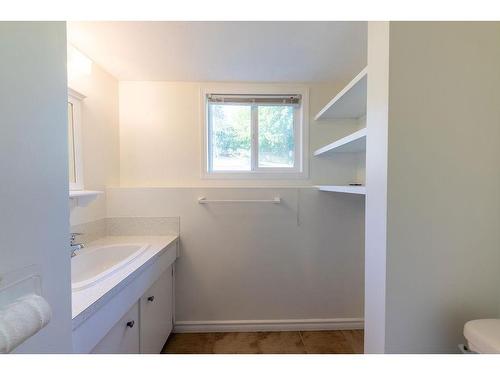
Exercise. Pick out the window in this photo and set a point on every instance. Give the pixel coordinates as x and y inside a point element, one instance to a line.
<point>250,135</point>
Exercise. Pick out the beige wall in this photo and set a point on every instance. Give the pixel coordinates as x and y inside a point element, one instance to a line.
<point>100,133</point>
<point>161,129</point>
<point>443,201</point>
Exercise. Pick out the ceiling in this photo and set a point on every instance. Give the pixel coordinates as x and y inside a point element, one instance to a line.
<point>224,51</point>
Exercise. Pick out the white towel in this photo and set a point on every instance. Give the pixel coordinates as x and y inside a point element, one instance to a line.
<point>22,319</point>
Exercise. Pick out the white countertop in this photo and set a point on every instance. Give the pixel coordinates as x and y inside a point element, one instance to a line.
<point>85,301</point>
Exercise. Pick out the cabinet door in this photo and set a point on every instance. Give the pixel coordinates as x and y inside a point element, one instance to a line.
<point>123,338</point>
<point>156,314</point>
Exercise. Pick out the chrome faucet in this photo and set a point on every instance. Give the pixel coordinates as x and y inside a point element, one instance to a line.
<point>75,246</point>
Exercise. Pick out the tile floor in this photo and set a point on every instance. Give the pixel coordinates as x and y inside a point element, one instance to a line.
<point>309,342</point>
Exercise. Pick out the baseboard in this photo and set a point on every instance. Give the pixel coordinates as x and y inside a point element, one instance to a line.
<point>269,325</point>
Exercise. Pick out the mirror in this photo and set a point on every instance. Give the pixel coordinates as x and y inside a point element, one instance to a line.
<point>75,167</point>
<point>71,145</point>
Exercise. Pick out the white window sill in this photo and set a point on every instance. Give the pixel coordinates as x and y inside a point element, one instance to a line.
<point>255,176</point>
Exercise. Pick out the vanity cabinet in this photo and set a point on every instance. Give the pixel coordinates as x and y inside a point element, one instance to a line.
<point>144,297</point>
<point>156,306</point>
<point>123,338</point>
<point>147,325</point>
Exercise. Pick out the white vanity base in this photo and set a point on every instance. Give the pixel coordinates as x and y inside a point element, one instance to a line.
<point>102,311</point>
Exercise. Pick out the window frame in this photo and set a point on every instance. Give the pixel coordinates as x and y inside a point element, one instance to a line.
<point>76,98</point>
<point>300,170</point>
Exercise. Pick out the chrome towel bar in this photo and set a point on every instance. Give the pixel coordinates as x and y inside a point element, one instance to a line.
<point>203,200</point>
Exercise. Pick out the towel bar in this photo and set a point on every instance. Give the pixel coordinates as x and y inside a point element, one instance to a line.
<point>203,200</point>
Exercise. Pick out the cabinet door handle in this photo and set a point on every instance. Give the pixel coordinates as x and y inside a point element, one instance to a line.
<point>130,324</point>
<point>151,298</point>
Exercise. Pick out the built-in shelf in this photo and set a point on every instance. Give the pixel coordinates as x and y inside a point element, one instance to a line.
<point>343,189</point>
<point>350,102</point>
<point>83,197</point>
<point>355,142</point>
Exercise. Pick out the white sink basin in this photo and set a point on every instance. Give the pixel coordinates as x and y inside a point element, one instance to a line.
<point>97,263</point>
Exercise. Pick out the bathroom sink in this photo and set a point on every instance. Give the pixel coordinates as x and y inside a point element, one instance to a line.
<point>94,264</point>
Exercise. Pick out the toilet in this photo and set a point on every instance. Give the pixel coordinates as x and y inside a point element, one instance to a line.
<point>483,336</point>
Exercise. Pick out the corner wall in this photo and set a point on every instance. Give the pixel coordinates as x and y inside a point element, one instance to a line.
<point>34,170</point>
<point>376,185</point>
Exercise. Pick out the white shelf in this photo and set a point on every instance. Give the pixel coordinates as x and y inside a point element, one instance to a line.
<point>354,142</point>
<point>350,102</point>
<point>83,193</point>
<point>343,189</point>
<point>83,198</point>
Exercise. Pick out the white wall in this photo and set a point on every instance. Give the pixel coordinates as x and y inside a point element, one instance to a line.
<point>100,143</point>
<point>299,260</point>
<point>443,184</point>
<point>34,168</point>
<point>160,137</point>
<point>376,184</point>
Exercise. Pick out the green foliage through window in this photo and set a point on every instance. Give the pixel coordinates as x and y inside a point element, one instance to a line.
<point>231,136</point>
<point>276,136</point>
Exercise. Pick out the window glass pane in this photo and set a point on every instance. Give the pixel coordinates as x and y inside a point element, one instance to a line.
<point>276,136</point>
<point>231,135</point>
